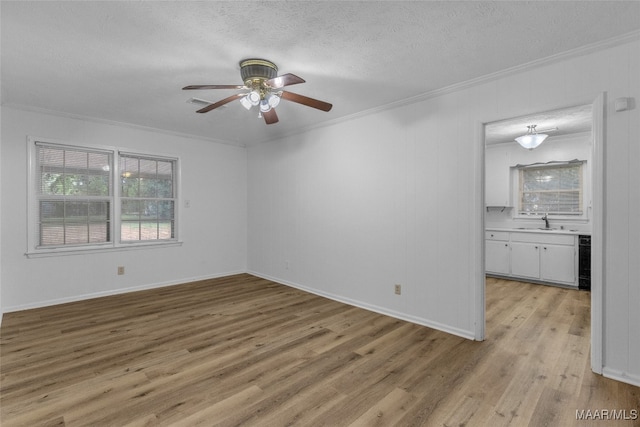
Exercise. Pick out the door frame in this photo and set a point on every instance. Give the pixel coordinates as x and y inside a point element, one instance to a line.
<point>597,226</point>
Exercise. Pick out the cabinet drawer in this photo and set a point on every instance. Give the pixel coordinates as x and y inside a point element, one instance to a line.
<point>496,235</point>
<point>542,238</point>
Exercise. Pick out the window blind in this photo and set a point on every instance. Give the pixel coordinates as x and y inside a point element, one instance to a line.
<point>555,189</point>
<point>147,198</point>
<point>74,195</point>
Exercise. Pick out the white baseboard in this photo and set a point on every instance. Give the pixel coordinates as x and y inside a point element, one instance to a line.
<point>377,309</point>
<point>82,297</point>
<point>621,376</point>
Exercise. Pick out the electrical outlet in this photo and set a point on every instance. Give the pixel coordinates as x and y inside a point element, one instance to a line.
<point>120,270</point>
<point>398,289</point>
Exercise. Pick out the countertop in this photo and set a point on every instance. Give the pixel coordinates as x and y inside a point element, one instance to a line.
<point>537,230</point>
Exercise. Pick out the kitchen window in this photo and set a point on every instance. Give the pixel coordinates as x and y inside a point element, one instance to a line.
<point>84,198</point>
<point>555,188</point>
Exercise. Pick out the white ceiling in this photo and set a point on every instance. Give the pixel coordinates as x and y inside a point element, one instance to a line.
<point>565,121</point>
<point>127,61</point>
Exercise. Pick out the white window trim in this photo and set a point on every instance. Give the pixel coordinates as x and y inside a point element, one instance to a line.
<point>578,218</point>
<point>36,251</point>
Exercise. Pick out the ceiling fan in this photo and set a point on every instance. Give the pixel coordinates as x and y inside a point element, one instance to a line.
<point>265,90</point>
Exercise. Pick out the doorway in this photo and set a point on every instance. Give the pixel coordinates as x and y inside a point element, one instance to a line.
<point>567,128</point>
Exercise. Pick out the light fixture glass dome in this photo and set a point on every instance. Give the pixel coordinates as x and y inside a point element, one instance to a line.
<point>273,100</point>
<point>264,106</point>
<point>532,139</point>
<point>245,102</point>
<point>253,97</point>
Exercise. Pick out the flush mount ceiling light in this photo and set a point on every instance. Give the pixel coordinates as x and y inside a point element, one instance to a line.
<point>261,79</point>
<point>532,139</point>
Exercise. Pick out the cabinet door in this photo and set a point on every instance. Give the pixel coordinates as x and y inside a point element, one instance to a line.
<point>497,257</point>
<point>525,260</point>
<point>557,263</point>
<point>497,183</point>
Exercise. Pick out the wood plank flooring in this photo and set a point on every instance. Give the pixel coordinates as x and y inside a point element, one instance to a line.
<point>243,351</point>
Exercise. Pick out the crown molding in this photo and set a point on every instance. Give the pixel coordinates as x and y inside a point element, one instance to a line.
<point>580,51</point>
<point>67,115</point>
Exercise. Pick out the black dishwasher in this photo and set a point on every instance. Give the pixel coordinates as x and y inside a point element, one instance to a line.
<point>584,262</point>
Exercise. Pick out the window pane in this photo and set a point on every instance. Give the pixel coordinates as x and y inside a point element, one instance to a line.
<point>166,230</point>
<point>130,187</point>
<point>76,159</point>
<point>98,211</point>
<point>51,234</point>
<point>165,180</point>
<point>76,211</point>
<point>165,209</point>
<point>149,230</point>
<point>99,162</point>
<point>130,210</point>
<point>148,187</point>
<point>73,222</point>
<point>551,189</point>
<point>75,184</point>
<point>149,210</point>
<point>147,198</point>
<point>98,185</point>
<point>52,211</point>
<point>76,234</point>
<point>129,177</point>
<point>130,230</point>
<point>98,232</point>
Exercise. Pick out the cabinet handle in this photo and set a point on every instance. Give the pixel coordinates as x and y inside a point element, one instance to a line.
<point>492,235</point>
<point>506,244</point>
<point>545,248</point>
<point>536,247</point>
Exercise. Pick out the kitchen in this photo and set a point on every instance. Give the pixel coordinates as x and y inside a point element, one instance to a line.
<point>539,200</point>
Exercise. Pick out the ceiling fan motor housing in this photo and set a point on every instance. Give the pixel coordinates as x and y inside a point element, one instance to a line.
<point>256,70</point>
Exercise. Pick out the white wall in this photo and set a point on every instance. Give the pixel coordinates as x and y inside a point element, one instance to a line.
<point>213,229</point>
<point>392,197</point>
<point>1,309</point>
<point>362,205</point>
<point>500,158</point>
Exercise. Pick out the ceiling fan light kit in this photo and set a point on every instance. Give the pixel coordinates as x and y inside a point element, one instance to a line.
<point>260,77</point>
<point>532,138</point>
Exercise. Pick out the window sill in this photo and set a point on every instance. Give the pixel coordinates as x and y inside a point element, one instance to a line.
<point>43,253</point>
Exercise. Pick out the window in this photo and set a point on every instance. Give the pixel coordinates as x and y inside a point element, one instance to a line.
<point>147,199</point>
<point>74,196</point>
<point>553,188</point>
<point>74,203</point>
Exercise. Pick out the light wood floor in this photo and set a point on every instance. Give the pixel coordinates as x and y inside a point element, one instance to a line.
<point>246,351</point>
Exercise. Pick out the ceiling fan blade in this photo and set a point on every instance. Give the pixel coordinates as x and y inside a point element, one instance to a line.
<point>284,80</point>
<point>213,87</point>
<point>305,100</point>
<point>220,103</point>
<point>270,117</point>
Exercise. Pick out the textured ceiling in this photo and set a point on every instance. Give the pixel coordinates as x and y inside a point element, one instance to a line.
<point>127,61</point>
<point>565,121</point>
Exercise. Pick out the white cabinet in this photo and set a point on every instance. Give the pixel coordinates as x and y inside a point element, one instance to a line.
<point>497,253</point>
<point>539,256</point>
<point>525,260</point>
<point>558,263</point>
<point>497,180</point>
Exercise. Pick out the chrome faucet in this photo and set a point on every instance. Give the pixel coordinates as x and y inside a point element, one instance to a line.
<point>545,218</point>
